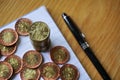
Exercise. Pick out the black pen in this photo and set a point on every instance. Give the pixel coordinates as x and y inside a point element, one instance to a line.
<point>84,45</point>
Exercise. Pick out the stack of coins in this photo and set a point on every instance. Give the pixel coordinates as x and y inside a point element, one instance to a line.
<point>39,35</point>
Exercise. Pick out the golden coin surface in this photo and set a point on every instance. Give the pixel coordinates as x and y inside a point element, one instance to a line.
<point>39,31</point>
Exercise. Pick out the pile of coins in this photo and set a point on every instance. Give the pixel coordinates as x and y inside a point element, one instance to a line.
<point>8,40</point>
<point>31,61</point>
<point>39,35</point>
<point>38,32</point>
<point>52,71</point>
<point>32,66</point>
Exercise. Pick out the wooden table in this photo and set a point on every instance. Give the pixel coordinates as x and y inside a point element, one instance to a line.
<point>99,20</point>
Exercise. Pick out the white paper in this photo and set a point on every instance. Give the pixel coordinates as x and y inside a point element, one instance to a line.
<point>56,37</point>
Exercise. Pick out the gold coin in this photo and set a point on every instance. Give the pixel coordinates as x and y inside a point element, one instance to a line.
<point>59,55</point>
<point>30,74</point>
<point>22,26</point>
<point>32,59</point>
<point>16,63</point>
<point>6,70</point>
<point>69,72</point>
<point>50,71</point>
<point>7,50</point>
<point>39,31</point>
<point>8,37</point>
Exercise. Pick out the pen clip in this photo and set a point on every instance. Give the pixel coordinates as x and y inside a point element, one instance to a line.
<point>84,45</point>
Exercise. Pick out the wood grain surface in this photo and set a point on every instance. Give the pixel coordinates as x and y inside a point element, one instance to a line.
<point>99,20</point>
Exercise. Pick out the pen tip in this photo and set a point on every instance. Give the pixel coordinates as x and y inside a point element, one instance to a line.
<point>64,15</point>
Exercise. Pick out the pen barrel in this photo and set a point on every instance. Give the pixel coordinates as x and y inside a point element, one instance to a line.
<point>81,40</point>
<point>97,64</point>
